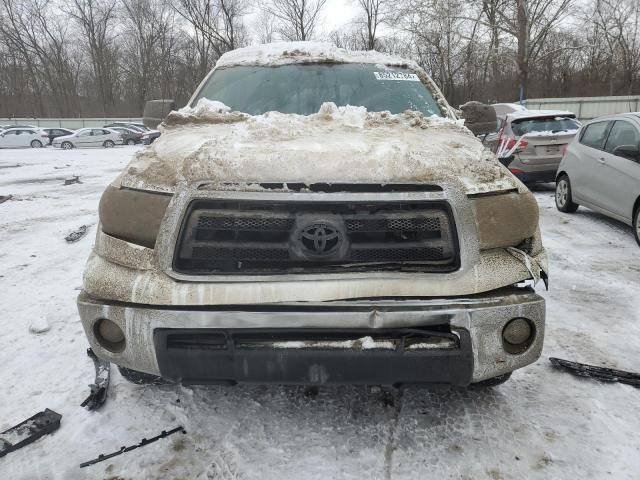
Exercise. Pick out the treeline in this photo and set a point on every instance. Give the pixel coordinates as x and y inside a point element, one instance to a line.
<point>83,58</point>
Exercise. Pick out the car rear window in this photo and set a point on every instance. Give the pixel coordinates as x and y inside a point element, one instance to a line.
<point>594,134</point>
<point>545,124</point>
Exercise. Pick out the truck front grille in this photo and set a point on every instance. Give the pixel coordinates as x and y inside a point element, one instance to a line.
<point>250,237</point>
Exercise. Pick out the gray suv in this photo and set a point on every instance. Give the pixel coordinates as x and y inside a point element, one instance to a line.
<point>530,143</point>
<point>601,170</point>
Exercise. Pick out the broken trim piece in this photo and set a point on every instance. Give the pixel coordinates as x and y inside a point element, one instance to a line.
<point>99,388</point>
<point>29,431</point>
<point>598,373</point>
<point>143,442</point>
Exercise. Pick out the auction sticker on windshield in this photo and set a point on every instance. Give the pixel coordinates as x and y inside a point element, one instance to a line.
<point>391,75</point>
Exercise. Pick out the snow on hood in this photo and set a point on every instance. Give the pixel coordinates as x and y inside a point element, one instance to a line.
<point>209,143</point>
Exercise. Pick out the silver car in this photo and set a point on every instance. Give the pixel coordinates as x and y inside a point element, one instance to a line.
<point>89,137</point>
<point>601,170</point>
<point>530,143</point>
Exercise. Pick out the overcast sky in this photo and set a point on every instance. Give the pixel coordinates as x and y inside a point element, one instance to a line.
<point>338,13</point>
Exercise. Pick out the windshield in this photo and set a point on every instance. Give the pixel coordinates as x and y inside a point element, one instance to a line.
<point>548,124</point>
<point>303,88</point>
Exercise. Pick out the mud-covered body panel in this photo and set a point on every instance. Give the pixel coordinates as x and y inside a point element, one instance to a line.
<point>207,153</point>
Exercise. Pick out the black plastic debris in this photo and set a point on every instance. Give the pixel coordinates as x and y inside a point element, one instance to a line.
<point>100,385</point>
<point>29,431</point>
<point>143,442</point>
<point>72,180</point>
<point>598,373</point>
<point>77,234</point>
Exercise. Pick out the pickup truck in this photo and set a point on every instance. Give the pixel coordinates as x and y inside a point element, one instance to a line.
<point>316,216</point>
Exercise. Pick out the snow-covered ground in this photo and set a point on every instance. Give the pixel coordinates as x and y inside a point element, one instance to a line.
<point>541,424</point>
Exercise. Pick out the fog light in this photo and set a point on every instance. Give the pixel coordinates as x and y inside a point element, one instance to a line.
<point>109,335</point>
<point>517,335</point>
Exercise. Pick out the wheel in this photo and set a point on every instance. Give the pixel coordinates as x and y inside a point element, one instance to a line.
<point>564,201</point>
<point>36,144</point>
<point>492,382</point>
<point>67,145</point>
<point>131,141</point>
<point>139,378</point>
<point>108,144</point>
<point>636,224</point>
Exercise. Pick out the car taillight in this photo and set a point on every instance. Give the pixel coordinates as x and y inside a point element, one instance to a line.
<point>44,135</point>
<point>511,142</point>
<point>563,149</point>
<point>516,171</point>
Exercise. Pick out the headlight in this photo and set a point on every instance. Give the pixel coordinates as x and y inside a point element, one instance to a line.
<point>505,220</point>
<point>132,215</point>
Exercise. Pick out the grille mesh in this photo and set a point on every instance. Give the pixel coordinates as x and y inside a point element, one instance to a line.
<point>265,237</point>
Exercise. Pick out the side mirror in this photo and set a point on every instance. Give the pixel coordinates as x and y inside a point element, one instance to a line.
<point>631,152</point>
<point>480,118</point>
<point>155,111</point>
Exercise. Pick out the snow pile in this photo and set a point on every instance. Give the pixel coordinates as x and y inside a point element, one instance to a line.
<point>281,53</point>
<point>338,144</point>
<point>206,111</point>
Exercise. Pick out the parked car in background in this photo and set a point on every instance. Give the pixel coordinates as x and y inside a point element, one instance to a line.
<point>601,170</point>
<point>89,137</point>
<point>530,143</point>
<point>129,135</point>
<point>139,127</point>
<point>23,137</point>
<point>149,137</point>
<point>7,127</point>
<point>56,132</point>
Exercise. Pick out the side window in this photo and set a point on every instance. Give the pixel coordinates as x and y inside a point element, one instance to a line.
<point>10,132</point>
<point>623,134</point>
<point>594,134</point>
<point>84,133</point>
<point>106,132</point>
<point>96,132</point>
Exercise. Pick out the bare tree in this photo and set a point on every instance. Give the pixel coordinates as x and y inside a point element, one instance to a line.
<point>296,19</point>
<point>96,19</point>
<point>619,21</point>
<point>264,27</point>
<point>374,13</point>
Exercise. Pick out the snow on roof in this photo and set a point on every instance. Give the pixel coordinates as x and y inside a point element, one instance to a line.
<point>540,113</point>
<point>305,52</point>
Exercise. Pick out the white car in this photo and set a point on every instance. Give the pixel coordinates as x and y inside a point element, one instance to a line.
<point>23,137</point>
<point>89,137</point>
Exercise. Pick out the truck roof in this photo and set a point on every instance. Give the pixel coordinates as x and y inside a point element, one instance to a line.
<point>281,53</point>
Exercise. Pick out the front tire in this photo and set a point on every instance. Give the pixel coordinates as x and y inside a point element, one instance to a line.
<point>139,378</point>
<point>564,198</point>
<point>67,145</point>
<point>636,224</point>
<point>36,144</point>
<point>108,144</point>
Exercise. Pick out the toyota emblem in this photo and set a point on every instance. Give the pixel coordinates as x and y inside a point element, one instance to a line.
<point>320,239</point>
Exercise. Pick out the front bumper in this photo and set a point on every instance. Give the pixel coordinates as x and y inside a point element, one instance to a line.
<point>209,344</point>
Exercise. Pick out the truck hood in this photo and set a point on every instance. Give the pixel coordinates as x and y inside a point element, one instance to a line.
<point>232,150</point>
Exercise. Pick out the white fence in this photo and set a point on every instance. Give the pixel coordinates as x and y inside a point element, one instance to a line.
<point>587,108</point>
<point>72,123</point>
